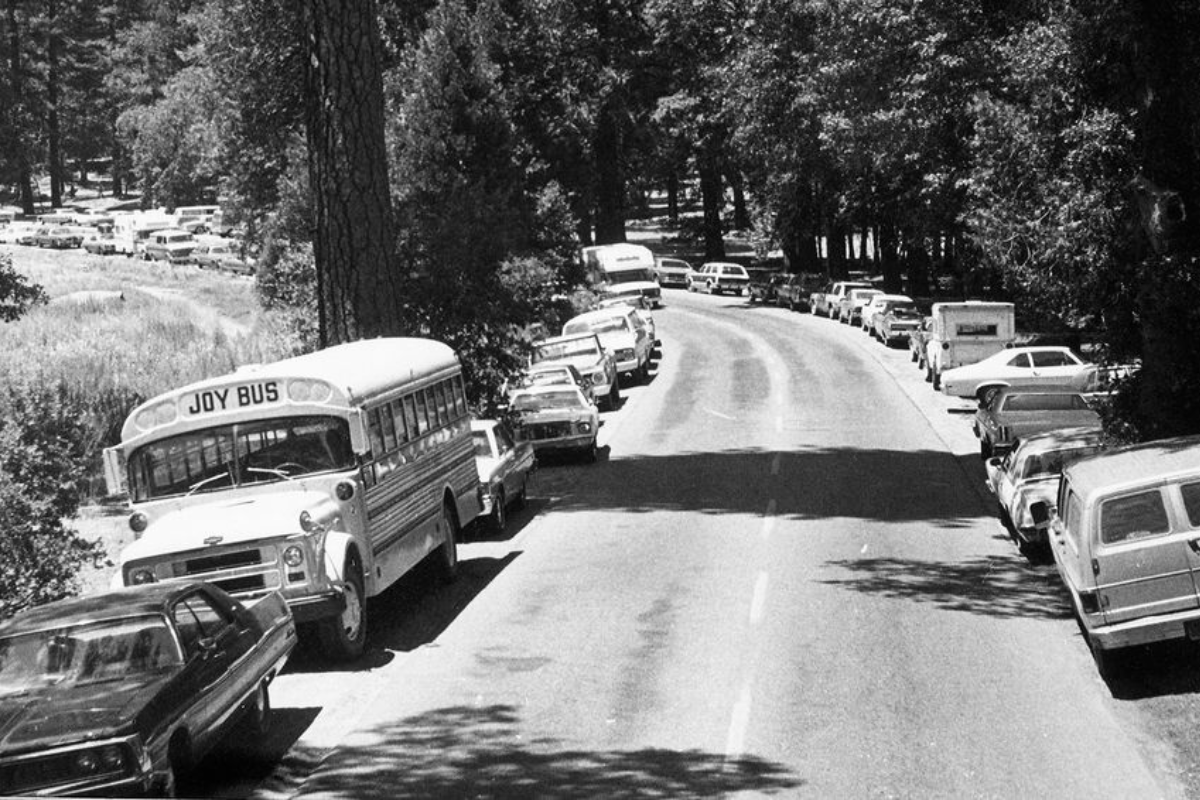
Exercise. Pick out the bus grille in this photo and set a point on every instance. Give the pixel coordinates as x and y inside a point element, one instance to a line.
<point>238,558</point>
<point>548,430</point>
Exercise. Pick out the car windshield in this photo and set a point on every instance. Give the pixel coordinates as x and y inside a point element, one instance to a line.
<point>604,325</point>
<point>87,653</point>
<point>1049,464</point>
<point>628,276</point>
<point>228,456</point>
<point>548,377</point>
<point>904,311</point>
<point>1045,402</point>
<point>552,351</point>
<point>543,401</point>
<point>483,448</point>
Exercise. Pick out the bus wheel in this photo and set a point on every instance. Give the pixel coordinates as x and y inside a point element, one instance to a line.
<point>447,554</point>
<point>344,636</point>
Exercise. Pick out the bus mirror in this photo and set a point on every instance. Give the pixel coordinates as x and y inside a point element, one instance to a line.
<point>114,470</point>
<point>358,431</point>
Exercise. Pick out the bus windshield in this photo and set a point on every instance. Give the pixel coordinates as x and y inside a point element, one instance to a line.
<point>229,456</point>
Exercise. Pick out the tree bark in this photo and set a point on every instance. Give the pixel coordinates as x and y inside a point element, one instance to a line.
<point>53,129</point>
<point>712,198</point>
<point>610,177</point>
<point>741,217</point>
<point>673,198</point>
<point>353,244</point>
<point>17,113</point>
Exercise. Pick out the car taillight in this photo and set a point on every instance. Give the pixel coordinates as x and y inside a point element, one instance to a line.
<point>1089,602</point>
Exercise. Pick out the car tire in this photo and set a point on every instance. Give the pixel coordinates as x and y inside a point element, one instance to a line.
<point>589,453</point>
<point>343,637</point>
<point>179,764</point>
<point>499,519</point>
<point>256,723</point>
<point>912,355</point>
<point>1109,663</point>
<point>447,553</point>
<point>985,448</point>
<point>522,495</point>
<point>937,380</point>
<point>614,396</point>
<point>928,373</point>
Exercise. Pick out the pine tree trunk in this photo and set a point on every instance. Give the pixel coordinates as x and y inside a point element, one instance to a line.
<point>53,129</point>
<point>712,198</point>
<point>17,82</point>
<point>741,217</point>
<point>673,198</point>
<point>610,178</point>
<point>357,277</point>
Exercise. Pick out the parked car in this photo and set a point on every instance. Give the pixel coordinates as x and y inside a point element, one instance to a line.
<point>1021,366</point>
<point>119,694</point>
<point>556,419</point>
<point>1029,473</point>
<point>918,339</point>
<point>672,272</point>
<point>174,246</point>
<point>100,244</point>
<point>623,333</point>
<point>1008,413</point>
<point>894,321</point>
<point>504,466</point>
<point>797,292</point>
<point>222,255</point>
<point>1122,539</point>
<point>641,307</point>
<point>585,352</point>
<point>59,238</point>
<point>874,304</point>
<point>719,277</point>
<point>827,302</point>
<point>764,285</point>
<point>552,374</point>
<point>14,231</point>
<point>966,332</point>
<point>850,306</point>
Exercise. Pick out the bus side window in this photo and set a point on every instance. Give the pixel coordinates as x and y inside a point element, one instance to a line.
<point>460,396</point>
<point>422,420</point>
<point>389,430</point>
<point>410,417</point>
<point>439,393</point>
<point>375,433</point>
<point>402,434</point>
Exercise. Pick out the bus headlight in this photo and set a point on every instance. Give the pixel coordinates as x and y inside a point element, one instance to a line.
<point>138,522</point>
<point>293,556</point>
<point>140,577</point>
<point>344,490</point>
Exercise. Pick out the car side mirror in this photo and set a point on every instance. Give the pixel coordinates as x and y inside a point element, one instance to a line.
<point>206,646</point>
<point>994,462</point>
<point>1040,511</point>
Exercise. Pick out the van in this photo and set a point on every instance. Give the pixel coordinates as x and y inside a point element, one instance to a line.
<point>1126,540</point>
<point>622,269</point>
<point>175,246</point>
<point>965,332</point>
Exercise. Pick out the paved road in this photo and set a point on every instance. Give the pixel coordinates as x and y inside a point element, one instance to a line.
<point>783,578</point>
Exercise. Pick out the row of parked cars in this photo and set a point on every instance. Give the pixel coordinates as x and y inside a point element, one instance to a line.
<point>553,407</point>
<point>1122,524</point>
<point>152,236</point>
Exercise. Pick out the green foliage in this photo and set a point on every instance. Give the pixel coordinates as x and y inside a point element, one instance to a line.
<point>17,295</point>
<point>43,441</point>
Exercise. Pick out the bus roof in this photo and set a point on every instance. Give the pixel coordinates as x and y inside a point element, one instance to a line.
<point>355,372</point>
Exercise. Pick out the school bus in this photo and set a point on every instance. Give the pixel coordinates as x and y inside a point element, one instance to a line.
<point>326,476</point>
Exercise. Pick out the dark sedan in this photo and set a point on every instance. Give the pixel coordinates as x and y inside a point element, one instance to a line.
<point>119,694</point>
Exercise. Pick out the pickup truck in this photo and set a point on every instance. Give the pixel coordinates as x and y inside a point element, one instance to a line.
<point>122,693</point>
<point>1008,413</point>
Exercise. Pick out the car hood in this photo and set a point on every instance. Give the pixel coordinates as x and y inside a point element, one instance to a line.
<point>586,364</point>
<point>244,519</point>
<point>487,467</point>
<point>55,716</point>
<point>556,415</point>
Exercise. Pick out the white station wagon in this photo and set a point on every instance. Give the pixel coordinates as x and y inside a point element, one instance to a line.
<point>1126,541</point>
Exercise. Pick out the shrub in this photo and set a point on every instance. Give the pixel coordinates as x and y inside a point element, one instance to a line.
<point>43,438</point>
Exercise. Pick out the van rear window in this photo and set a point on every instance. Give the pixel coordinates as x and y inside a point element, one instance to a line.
<point>1133,517</point>
<point>1191,502</point>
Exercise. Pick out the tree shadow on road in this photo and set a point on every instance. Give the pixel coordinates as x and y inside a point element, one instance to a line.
<point>806,484</point>
<point>997,586</point>
<point>478,752</point>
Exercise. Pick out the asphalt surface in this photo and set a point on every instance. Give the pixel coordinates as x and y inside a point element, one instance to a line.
<point>783,577</point>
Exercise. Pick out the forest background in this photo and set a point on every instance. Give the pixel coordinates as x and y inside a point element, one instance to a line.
<point>1043,151</point>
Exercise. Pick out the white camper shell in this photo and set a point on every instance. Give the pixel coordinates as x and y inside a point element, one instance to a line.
<point>966,332</point>
<point>622,269</point>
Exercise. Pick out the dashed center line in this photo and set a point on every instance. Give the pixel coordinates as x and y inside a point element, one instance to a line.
<point>775,462</point>
<point>735,745</point>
